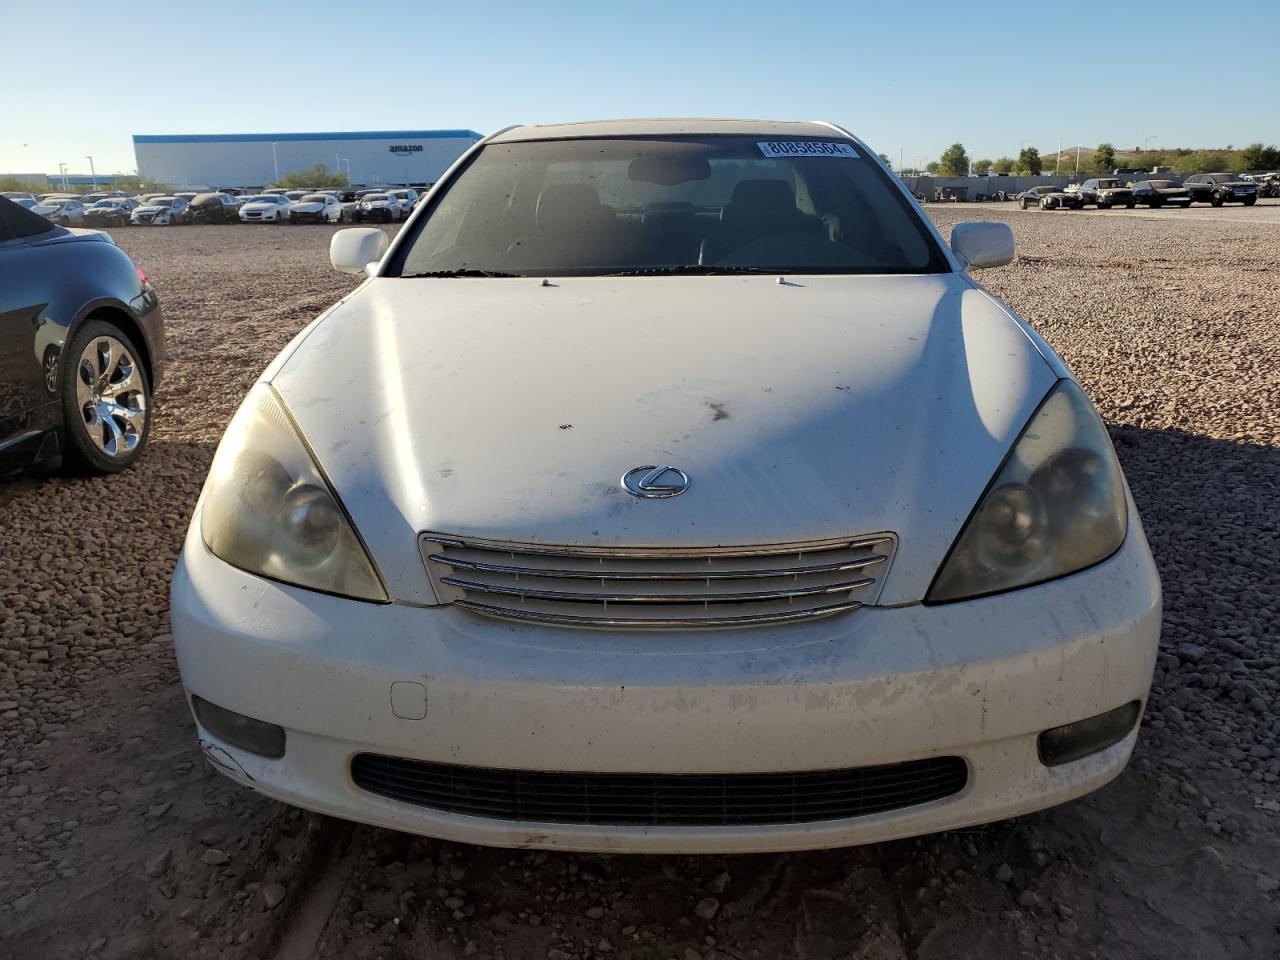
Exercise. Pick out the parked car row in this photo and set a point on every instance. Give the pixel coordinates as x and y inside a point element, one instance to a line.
<point>275,205</point>
<point>1107,192</point>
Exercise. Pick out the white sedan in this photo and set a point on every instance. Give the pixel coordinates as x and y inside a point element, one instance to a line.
<point>61,210</point>
<point>266,208</point>
<point>672,487</point>
<point>316,208</point>
<point>406,198</point>
<point>379,208</point>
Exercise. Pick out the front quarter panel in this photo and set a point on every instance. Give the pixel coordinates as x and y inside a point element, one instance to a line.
<point>53,285</point>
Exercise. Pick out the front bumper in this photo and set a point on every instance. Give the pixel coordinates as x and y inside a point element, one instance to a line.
<point>979,680</point>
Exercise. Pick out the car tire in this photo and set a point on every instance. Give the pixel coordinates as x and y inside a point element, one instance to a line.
<point>1103,206</point>
<point>1130,204</point>
<point>92,445</point>
<point>1216,200</point>
<point>1249,201</point>
<point>1155,203</point>
<point>1022,204</point>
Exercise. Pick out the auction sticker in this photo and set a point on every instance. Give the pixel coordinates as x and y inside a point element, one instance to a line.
<point>805,148</point>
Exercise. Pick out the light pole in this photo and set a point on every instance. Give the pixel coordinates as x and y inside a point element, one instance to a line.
<point>1077,159</point>
<point>275,161</point>
<point>1147,140</point>
<point>62,173</point>
<point>347,161</point>
<point>1057,160</point>
<point>93,173</point>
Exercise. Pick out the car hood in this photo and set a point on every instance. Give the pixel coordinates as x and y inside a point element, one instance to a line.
<point>44,209</point>
<point>815,408</point>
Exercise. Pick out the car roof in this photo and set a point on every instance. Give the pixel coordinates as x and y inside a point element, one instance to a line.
<point>658,127</point>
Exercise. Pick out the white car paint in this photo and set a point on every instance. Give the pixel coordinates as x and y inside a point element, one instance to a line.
<point>156,213</point>
<point>329,209</point>
<point>263,211</point>
<point>377,207</point>
<point>803,408</point>
<point>64,211</point>
<point>406,198</point>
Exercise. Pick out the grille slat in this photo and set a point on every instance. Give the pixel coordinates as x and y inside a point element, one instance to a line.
<point>643,575</point>
<point>622,799</point>
<point>567,596</point>
<point>654,588</point>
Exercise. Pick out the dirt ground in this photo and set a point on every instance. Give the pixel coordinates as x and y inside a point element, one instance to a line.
<point>117,841</point>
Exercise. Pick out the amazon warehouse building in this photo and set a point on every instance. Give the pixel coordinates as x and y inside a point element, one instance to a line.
<point>371,158</point>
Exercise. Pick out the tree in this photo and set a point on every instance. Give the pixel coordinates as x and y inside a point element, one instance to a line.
<point>318,176</point>
<point>1003,166</point>
<point>1257,157</point>
<point>982,167</point>
<point>884,158</point>
<point>1104,160</point>
<point>954,161</point>
<point>933,166</point>
<point>1029,161</point>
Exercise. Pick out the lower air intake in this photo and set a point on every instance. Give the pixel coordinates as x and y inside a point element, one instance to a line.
<point>660,800</point>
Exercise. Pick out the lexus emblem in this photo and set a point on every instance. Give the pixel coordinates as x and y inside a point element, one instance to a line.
<point>655,483</point>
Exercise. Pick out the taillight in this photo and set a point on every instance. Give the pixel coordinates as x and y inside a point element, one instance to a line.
<point>141,276</point>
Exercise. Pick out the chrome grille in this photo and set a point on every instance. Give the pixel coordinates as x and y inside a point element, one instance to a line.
<point>647,587</point>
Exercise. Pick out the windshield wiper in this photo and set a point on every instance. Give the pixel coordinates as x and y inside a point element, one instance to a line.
<point>465,272</point>
<point>689,269</point>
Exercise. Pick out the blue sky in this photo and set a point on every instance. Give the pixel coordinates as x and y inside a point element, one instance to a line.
<point>904,77</point>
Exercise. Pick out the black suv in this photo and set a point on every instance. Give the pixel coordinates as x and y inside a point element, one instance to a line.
<point>1105,193</point>
<point>1220,188</point>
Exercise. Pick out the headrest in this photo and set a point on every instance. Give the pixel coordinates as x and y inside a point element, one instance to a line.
<point>566,207</point>
<point>761,203</point>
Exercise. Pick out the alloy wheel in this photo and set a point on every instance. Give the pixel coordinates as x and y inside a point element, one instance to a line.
<point>111,396</point>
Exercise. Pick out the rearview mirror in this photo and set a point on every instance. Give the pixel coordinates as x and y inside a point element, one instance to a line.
<point>981,243</point>
<point>355,249</point>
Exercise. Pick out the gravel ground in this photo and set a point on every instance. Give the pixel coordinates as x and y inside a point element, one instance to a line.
<point>115,841</point>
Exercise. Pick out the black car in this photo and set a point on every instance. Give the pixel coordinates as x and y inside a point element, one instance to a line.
<point>1105,193</point>
<point>214,208</point>
<point>110,212</point>
<point>82,346</point>
<point>1156,193</point>
<point>1220,188</point>
<point>1049,198</point>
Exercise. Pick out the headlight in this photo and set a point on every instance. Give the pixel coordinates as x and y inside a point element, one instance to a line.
<point>1057,505</point>
<point>268,510</point>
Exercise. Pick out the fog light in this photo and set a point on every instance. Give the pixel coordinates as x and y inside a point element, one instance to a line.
<point>256,736</point>
<point>1075,740</point>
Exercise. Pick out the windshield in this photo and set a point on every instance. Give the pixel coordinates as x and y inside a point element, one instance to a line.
<point>369,197</point>
<point>1108,183</point>
<point>1161,184</point>
<point>265,198</point>
<point>671,204</point>
<point>314,198</point>
<point>102,204</point>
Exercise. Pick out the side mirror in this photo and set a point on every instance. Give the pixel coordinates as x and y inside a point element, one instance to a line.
<point>980,244</point>
<point>353,250</point>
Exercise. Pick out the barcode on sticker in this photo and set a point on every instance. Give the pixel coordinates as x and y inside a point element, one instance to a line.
<point>805,148</point>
